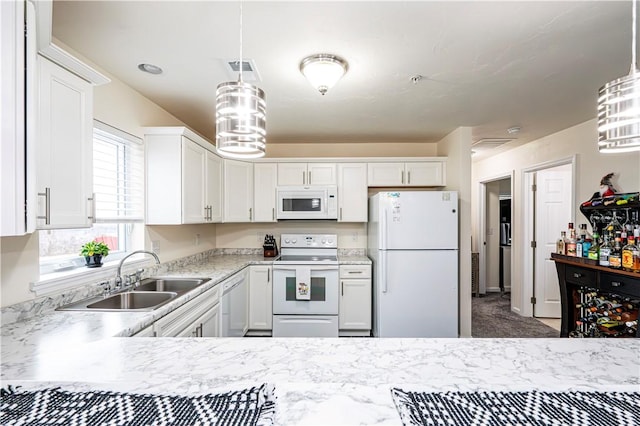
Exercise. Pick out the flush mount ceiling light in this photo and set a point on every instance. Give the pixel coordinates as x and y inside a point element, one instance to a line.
<point>323,70</point>
<point>619,108</point>
<point>240,116</point>
<point>150,68</point>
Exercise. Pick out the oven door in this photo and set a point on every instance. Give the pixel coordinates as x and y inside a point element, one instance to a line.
<point>293,295</point>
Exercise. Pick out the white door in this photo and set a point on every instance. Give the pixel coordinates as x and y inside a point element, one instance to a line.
<point>419,220</point>
<point>416,293</point>
<point>260,298</point>
<point>264,192</point>
<point>385,174</point>
<point>552,214</point>
<point>213,186</point>
<point>193,179</point>
<point>355,304</point>
<point>209,323</point>
<point>352,192</point>
<point>425,173</point>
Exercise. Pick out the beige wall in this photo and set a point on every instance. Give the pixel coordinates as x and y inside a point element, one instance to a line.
<point>357,148</point>
<point>457,147</point>
<point>579,140</point>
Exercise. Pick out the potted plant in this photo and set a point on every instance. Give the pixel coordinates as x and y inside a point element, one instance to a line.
<point>93,252</point>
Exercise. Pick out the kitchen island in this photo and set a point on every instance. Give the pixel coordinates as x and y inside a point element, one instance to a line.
<point>332,381</point>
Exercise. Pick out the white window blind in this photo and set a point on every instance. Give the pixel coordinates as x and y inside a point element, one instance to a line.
<point>118,175</point>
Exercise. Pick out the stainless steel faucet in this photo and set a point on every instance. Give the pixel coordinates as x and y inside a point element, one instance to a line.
<point>118,282</point>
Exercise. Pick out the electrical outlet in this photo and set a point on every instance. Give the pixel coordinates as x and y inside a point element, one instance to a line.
<point>197,242</point>
<point>155,246</point>
<point>354,237</point>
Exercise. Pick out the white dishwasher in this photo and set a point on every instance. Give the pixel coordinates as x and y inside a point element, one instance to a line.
<point>234,305</point>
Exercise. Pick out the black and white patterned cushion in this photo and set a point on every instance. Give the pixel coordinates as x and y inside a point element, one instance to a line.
<point>254,406</point>
<point>518,408</point>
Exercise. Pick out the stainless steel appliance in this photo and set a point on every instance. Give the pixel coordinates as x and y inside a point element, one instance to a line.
<point>307,202</point>
<point>306,287</point>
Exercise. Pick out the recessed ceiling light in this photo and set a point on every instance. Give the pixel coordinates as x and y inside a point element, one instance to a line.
<point>150,68</point>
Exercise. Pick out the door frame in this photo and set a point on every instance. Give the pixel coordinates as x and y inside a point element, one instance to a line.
<point>529,223</point>
<point>482,225</point>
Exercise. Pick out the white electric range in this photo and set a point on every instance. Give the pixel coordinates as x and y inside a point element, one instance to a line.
<point>306,286</point>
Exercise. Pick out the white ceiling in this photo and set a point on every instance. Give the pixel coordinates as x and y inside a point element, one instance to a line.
<point>487,65</point>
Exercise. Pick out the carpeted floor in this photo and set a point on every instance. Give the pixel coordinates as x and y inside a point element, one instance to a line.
<point>492,317</point>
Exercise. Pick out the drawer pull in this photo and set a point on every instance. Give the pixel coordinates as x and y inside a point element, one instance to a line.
<point>354,272</point>
<point>616,284</point>
<point>577,275</point>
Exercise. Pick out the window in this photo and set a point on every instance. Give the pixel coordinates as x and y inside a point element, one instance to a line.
<point>118,186</point>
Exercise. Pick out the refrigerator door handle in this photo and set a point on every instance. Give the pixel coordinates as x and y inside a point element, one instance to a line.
<point>383,233</point>
<point>383,270</point>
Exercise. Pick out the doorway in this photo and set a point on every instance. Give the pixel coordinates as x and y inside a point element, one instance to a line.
<point>497,237</point>
<point>548,210</point>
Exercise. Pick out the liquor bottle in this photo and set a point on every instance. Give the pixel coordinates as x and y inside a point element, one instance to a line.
<point>629,315</point>
<point>631,255</point>
<point>580,241</point>
<point>615,257</point>
<point>587,240</point>
<point>605,251</point>
<point>570,243</point>
<point>594,250</point>
<point>560,244</point>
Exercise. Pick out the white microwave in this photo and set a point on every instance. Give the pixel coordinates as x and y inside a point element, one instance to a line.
<point>307,202</point>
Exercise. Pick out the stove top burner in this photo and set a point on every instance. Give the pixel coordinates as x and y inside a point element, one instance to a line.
<point>307,258</point>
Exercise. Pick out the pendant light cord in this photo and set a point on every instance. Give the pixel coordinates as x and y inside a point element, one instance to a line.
<point>240,63</point>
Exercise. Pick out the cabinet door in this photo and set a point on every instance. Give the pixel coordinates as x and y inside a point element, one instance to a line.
<point>385,174</point>
<point>352,192</point>
<point>264,192</point>
<point>321,174</point>
<point>193,180</point>
<point>64,148</point>
<point>238,191</point>
<point>355,304</point>
<point>209,323</point>
<point>429,173</point>
<point>213,185</point>
<point>260,298</point>
<point>292,174</point>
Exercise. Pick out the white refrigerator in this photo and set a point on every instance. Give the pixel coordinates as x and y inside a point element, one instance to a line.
<point>413,243</point>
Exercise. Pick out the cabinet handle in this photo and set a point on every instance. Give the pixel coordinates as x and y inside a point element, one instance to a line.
<point>616,284</point>
<point>309,177</point>
<point>93,208</point>
<point>268,275</point>
<point>250,213</point>
<point>402,177</point>
<point>200,333</point>
<point>273,213</point>
<point>47,205</point>
<point>342,288</point>
<point>354,272</point>
<point>210,212</point>
<point>340,213</point>
<point>206,212</point>
<point>577,275</point>
<point>303,177</point>
<point>408,178</point>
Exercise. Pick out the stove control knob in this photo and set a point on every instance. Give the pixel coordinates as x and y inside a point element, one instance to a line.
<point>330,242</point>
<point>324,241</point>
<point>294,241</point>
<point>286,240</point>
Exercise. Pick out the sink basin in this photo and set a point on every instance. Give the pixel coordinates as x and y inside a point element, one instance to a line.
<point>127,301</point>
<point>177,285</point>
<point>133,300</point>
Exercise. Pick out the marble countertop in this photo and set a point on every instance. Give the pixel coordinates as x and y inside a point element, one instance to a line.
<point>333,381</point>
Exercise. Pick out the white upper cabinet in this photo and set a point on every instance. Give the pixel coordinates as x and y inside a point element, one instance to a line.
<point>238,191</point>
<point>417,173</point>
<point>183,178</point>
<point>213,187</point>
<point>352,192</point>
<point>264,192</point>
<point>306,174</point>
<point>63,148</point>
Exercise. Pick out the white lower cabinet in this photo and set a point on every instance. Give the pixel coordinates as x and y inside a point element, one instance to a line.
<point>145,332</point>
<point>355,300</point>
<point>260,297</point>
<point>197,318</point>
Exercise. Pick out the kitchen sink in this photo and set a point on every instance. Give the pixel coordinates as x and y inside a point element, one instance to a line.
<point>127,301</point>
<point>176,285</point>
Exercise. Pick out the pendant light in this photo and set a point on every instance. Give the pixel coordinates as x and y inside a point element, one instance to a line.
<point>619,108</point>
<point>240,116</point>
